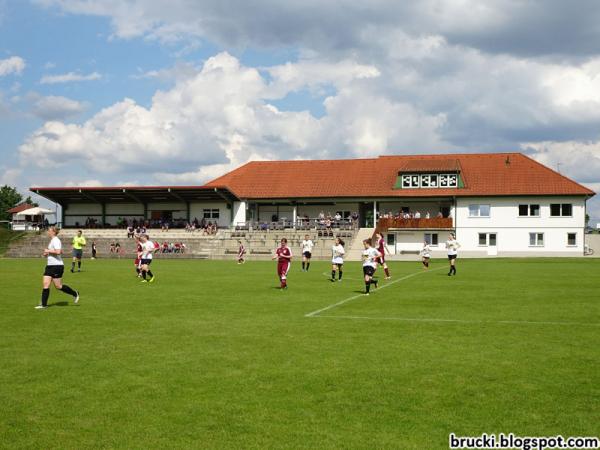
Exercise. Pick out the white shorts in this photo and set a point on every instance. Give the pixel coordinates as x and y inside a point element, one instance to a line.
<point>337,260</point>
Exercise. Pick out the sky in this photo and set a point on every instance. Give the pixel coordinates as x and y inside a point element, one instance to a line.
<point>146,92</point>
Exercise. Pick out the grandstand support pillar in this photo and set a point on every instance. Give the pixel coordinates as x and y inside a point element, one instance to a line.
<point>62,215</point>
<point>295,216</point>
<point>374,213</point>
<point>103,214</point>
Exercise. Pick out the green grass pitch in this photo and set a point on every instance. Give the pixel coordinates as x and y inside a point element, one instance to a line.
<point>213,355</point>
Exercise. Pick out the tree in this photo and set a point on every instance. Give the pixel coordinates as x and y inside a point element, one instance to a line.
<point>9,198</point>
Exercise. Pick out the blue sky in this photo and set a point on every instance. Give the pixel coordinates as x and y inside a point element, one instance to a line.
<point>179,91</point>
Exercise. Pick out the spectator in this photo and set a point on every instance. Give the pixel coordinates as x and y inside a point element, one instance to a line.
<point>112,247</point>
<point>427,215</point>
<point>417,215</point>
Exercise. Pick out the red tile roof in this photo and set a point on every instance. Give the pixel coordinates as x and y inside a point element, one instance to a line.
<point>487,174</point>
<point>19,208</point>
<point>430,166</point>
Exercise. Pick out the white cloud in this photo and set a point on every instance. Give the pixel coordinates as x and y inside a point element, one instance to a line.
<point>84,183</point>
<point>14,64</point>
<point>69,77</point>
<point>10,176</point>
<point>54,107</point>
<point>221,117</point>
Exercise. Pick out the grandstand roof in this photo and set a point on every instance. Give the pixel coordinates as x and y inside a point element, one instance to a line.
<point>137,194</point>
<point>487,174</point>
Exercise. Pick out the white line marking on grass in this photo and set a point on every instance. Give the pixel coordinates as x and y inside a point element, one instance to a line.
<point>354,297</point>
<point>427,319</point>
<point>328,275</point>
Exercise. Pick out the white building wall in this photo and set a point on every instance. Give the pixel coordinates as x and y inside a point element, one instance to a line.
<point>313,210</point>
<point>77,213</point>
<point>239,213</point>
<point>513,231</point>
<point>197,212</point>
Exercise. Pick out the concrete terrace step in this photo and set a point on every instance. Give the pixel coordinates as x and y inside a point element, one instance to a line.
<point>224,245</point>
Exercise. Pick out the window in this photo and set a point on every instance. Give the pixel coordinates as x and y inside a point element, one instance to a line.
<point>487,239</point>
<point>429,180</point>
<point>431,238</point>
<point>536,239</point>
<point>410,181</point>
<point>572,239</point>
<point>561,210</point>
<point>482,239</point>
<point>529,210</point>
<point>391,239</point>
<point>211,213</point>
<point>479,210</point>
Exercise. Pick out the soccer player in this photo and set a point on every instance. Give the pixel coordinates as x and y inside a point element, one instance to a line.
<point>283,254</point>
<point>370,258</point>
<point>337,261</point>
<point>94,249</point>
<point>54,270</point>
<point>452,246</point>
<point>241,253</point>
<point>425,255</point>
<point>78,244</point>
<point>382,247</point>
<point>138,258</point>
<point>148,249</point>
<point>307,247</point>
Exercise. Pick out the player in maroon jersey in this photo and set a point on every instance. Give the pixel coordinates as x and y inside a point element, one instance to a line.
<point>283,254</point>
<point>381,248</point>
<point>138,257</point>
<point>241,253</point>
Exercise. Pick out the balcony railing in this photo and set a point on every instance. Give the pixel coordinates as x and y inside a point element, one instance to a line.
<point>435,223</point>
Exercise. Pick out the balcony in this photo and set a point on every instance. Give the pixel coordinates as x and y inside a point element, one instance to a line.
<point>436,223</point>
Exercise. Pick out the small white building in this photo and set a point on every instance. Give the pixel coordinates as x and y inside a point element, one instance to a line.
<point>500,204</point>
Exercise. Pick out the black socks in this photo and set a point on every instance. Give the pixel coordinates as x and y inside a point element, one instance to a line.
<point>79,264</point>
<point>368,286</point>
<point>307,265</point>
<point>45,295</point>
<point>144,274</point>
<point>150,273</point>
<point>67,290</point>
<point>340,274</point>
<point>303,265</point>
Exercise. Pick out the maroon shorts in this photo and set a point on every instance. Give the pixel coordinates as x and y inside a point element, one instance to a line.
<point>282,268</point>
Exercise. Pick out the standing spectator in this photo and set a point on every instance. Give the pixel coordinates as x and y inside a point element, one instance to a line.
<point>94,250</point>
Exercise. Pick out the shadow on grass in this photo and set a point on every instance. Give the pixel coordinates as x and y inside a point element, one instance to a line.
<point>60,304</point>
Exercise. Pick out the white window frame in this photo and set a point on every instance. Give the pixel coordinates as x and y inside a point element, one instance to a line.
<point>529,205</point>
<point>572,245</point>
<point>211,213</point>
<point>479,205</point>
<point>487,239</point>
<point>537,240</point>
<point>411,178</point>
<point>561,210</point>
<point>431,244</point>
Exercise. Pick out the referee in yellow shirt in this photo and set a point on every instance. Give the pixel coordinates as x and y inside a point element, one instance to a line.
<point>78,244</point>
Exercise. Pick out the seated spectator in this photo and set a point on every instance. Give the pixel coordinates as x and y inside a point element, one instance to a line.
<point>165,247</point>
<point>112,247</point>
<point>130,232</point>
<point>427,215</point>
<point>417,215</point>
<point>118,248</point>
<point>182,247</point>
<point>440,215</point>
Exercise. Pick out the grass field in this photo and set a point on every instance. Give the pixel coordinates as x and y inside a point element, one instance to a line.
<point>212,355</point>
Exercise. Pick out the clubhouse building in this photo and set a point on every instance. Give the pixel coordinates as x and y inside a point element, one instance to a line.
<point>504,204</point>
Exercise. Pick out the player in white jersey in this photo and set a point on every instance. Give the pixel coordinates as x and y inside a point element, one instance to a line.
<point>452,246</point>
<point>54,270</point>
<point>425,255</point>
<point>307,248</point>
<point>148,249</point>
<point>370,256</point>
<point>337,258</point>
